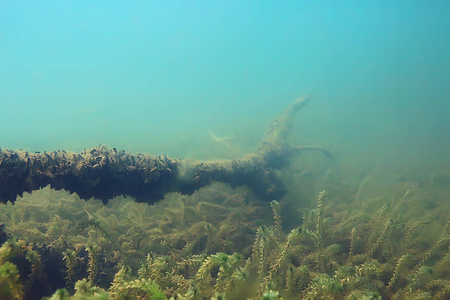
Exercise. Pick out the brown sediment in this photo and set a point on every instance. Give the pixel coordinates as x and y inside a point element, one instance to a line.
<point>103,173</point>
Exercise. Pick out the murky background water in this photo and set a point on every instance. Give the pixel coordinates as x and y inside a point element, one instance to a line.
<point>155,77</point>
<point>168,77</point>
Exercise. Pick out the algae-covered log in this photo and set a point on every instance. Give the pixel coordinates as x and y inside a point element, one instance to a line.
<point>104,173</point>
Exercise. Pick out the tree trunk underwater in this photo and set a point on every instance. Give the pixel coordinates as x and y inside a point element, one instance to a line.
<point>104,173</point>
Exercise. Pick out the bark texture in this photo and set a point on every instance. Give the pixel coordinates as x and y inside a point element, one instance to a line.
<point>104,173</point>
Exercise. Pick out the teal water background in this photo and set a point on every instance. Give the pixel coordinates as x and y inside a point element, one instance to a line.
<point>157,76</point>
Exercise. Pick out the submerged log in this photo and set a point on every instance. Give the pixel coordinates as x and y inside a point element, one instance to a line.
<point>104,173</point>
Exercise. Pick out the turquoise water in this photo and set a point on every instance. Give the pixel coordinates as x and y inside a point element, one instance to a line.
<point>176,77</point>
<point>157,76</point>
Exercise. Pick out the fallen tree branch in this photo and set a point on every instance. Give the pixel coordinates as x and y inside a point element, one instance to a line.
<point>104,173</point>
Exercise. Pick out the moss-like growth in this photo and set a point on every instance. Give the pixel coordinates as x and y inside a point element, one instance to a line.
<point>224,243</point>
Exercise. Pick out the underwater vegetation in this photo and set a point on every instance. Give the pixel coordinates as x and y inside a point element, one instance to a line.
<point>371,242</point>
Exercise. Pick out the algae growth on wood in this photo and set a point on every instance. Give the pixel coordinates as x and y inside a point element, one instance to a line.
<point>104,173</point>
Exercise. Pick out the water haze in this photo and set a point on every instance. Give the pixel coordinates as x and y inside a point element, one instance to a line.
<point>203,80</point>
<point>158,76</point>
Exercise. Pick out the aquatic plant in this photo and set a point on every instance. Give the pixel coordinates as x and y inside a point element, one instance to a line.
<point>84,290</point>
<point>10,285</point>
<point>125,286</point>
<point>223,243</point>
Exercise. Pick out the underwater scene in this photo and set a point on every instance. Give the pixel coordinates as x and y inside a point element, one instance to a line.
<point>224,150</point>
